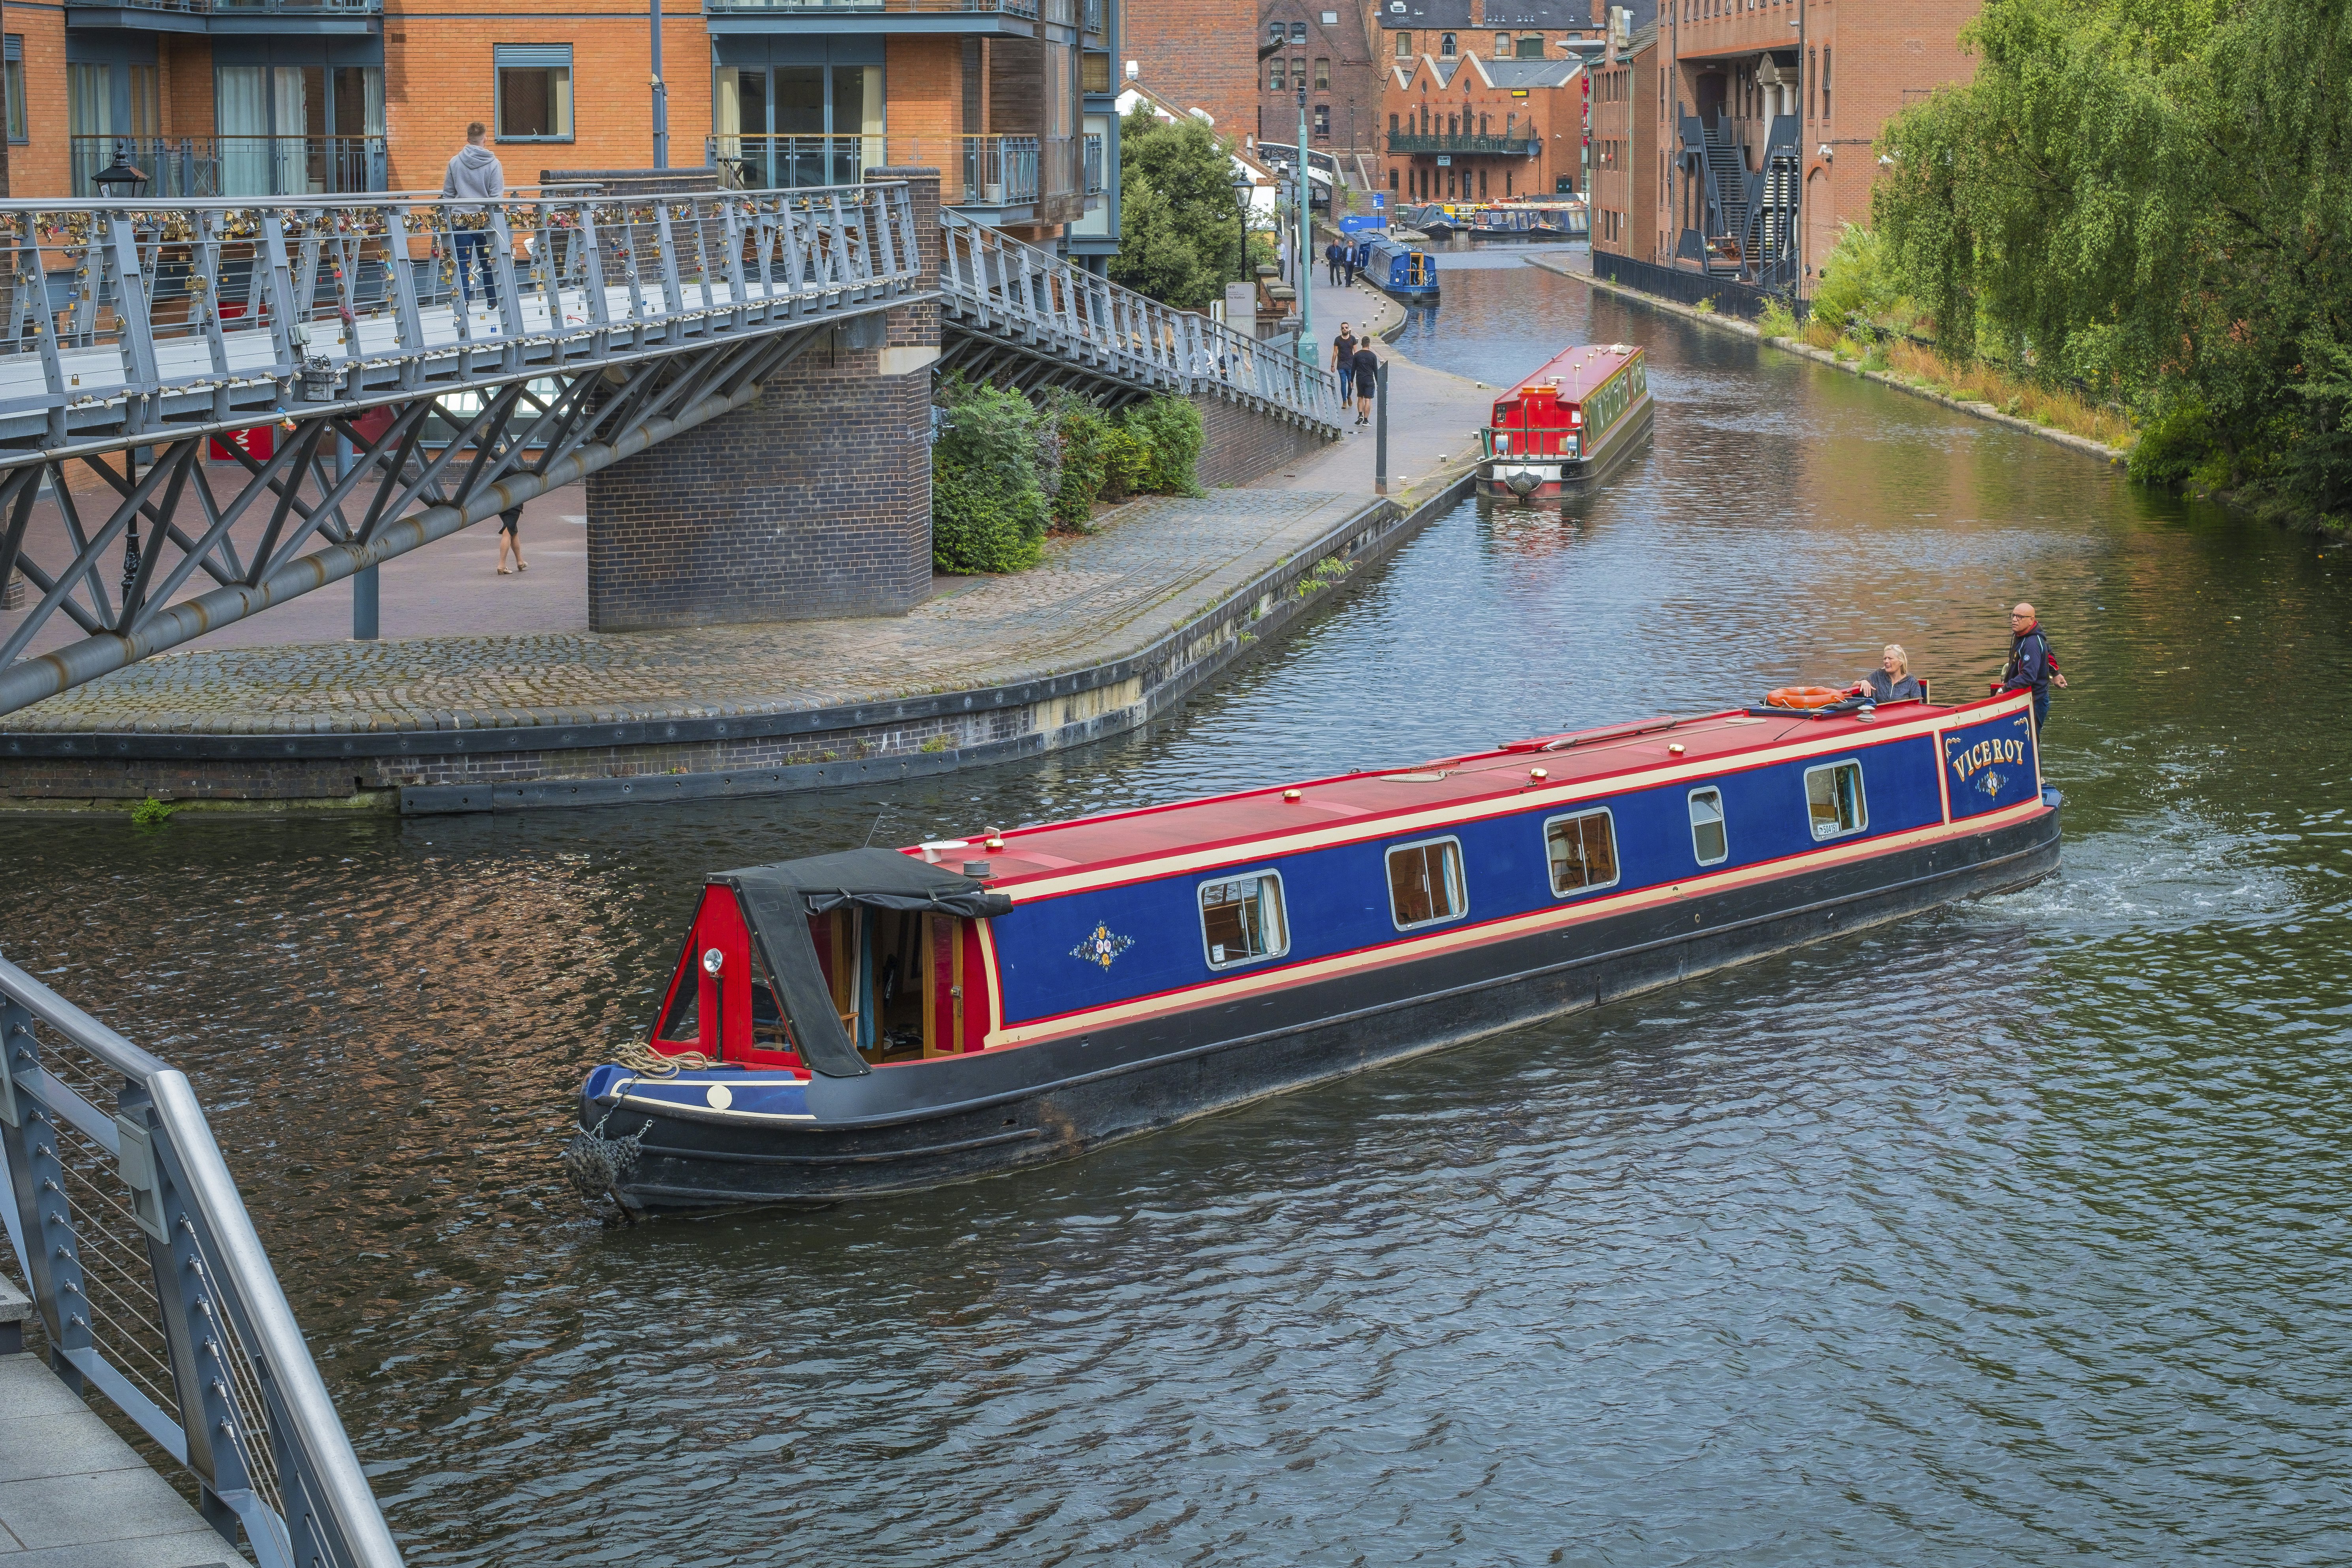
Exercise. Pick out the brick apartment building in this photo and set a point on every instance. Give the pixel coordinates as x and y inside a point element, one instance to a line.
<point>1011,99</point>
<point>1745,127</point>
<point>1485,98</point>
<point>1328,47</point>
<point>1202,54</point>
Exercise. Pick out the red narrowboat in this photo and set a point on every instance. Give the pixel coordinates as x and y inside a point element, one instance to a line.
<point>882,1021</point>
<point>1568,425</point>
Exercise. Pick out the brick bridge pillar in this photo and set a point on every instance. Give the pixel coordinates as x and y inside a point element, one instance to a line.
<point>816,500</point>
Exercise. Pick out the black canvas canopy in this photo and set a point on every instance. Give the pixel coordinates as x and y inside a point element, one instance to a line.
<point>777,900</point>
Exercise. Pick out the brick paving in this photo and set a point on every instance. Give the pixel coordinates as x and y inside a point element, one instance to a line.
<point>1158,561</point>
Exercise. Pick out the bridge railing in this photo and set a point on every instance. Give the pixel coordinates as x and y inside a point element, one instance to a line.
<point>1003,289</point>
<point>124,322</point>
<point>152,1284</point>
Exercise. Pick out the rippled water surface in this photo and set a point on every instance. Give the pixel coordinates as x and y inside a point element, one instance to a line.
<point>2015,1233</point>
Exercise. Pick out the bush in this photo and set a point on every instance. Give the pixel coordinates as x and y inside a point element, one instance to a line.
<point>1127,462</point>
<point>2175,445</point>
<point>988,510</point>
<point>1170,428</point>
<point>1085,436</point>
<point>1777,322</point>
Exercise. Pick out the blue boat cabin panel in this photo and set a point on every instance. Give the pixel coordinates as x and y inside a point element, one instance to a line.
<point>1095,949</point>
<point>1992,765</point>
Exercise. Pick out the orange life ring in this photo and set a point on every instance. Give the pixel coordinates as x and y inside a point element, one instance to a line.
<point>1804,697</point>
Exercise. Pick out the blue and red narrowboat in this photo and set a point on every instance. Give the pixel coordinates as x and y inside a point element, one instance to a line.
<point>883,1021</point>
<point>1568,424</point>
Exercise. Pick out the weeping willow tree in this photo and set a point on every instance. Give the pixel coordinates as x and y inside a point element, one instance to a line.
<point>2152,198</point>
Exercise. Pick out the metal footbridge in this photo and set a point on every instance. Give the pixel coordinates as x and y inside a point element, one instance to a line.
<point>277,396</point>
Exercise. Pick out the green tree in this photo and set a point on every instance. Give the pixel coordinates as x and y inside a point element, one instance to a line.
<point>2154,200</point>
<point>989,509</point>
<point>1177,228</point>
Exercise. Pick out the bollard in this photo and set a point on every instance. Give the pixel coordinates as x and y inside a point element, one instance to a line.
<point>1380,433</point>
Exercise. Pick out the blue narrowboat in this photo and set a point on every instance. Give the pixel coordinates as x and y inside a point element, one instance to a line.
<point>884,1021</point>
<point>1409,274</point>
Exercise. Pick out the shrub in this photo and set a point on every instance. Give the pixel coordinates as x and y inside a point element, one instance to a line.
<point>2175,445</point>
<point>988,510</point>
<point>1127,462</point>
<point>152,813</point>
<point>1080,430</point>
<point>1778,321</point>
<point>1170,428</point>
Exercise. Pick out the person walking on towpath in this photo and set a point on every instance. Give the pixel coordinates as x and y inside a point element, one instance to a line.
<point>1331,262</point>
<point>1368,375</point>
<point>510,540</point>
<point>2032,666</point>
<point>475,174</point>
<point>1353,259</point>
<point>1343,360</point>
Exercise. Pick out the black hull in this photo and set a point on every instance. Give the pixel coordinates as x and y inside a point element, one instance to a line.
<point>906,1129</point>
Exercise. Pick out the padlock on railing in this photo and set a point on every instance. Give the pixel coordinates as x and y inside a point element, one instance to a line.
<point>317,379</point>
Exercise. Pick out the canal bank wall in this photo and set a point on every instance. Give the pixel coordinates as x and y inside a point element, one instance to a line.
<point>1115,631</point>
<point>1721,322</point>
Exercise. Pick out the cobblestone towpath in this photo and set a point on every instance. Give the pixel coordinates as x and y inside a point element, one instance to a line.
<point>1158,561</point>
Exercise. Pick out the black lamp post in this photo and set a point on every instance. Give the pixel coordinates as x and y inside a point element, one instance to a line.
<point>120,172</point>
<point>1242,185</point>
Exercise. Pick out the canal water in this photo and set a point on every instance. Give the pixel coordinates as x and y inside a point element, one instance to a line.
<point>2015,1233</point>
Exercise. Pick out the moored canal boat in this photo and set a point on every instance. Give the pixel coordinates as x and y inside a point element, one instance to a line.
<point>1568,424</point>
<point>884,1021</point>
<point>1400,269</point>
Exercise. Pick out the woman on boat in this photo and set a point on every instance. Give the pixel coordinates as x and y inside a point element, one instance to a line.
<point>1890,682</point>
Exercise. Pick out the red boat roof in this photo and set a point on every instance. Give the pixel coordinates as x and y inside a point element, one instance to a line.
<point>1053,850</point>
<point>1573,374</point>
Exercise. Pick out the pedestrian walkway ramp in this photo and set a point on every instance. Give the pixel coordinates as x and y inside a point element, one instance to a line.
<point>150,1288</point>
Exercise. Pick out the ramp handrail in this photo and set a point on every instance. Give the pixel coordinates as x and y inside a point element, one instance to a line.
<point>203,1354</point>
<point>1003,288</point>
<point>129,323</point>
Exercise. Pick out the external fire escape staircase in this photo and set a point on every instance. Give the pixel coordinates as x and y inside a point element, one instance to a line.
<point>1749,217</point>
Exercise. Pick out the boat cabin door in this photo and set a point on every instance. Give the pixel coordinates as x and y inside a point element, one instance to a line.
<point>898,980</point>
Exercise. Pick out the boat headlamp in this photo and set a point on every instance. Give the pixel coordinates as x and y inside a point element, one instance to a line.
<point>713,961</point>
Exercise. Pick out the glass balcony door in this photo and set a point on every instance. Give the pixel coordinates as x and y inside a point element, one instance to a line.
<point>298,130</point>
<point>799,124</point>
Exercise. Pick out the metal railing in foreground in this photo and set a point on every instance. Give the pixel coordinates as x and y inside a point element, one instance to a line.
<point>152,1284</point>
<point>1014,301</point>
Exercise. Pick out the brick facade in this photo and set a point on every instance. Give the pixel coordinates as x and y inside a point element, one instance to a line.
<point>1849,67</point>
<point>1240,443</point>
<point>1199,54</point>
<point>1628,179</point>
<point>1344,77</point>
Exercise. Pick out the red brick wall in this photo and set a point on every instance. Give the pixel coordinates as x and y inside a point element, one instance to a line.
<point>1557,115</point>
<point>1625,169</point>
<point>40,167</point>
<point>1197,52</point>
<point>1240,443</point>
<point>1356,77</point>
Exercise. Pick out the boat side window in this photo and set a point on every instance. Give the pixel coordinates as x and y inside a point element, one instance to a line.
<point>682,1024</point>
<point>1707,840</point>
<point>1426,883</point>
<point>1582,851</point>
<point>1833,799</point>
<point>1242,919</point>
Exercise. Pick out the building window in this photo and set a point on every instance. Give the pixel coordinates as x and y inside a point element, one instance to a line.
<point>1583,852</point>
<point>1404,46</point>
<point>1298,32</point>
<point>1242,919</point>
<point>1446,50</point>
<point>1707,840</point>
<point>1274,32</point>
<point>1277,75</point>
<point>1426,883</point>
<point>1323,75</point>
<point>1393,174</point>
<point>1323,121</point>
<point>1392,130</point>
<point>1531,47</point>
<point>1834,800</point>
<point>1502,45</point>
<point>16,87</point>
<point>1825,85</point>
<point>534,92</point>
<point>1330,18</point>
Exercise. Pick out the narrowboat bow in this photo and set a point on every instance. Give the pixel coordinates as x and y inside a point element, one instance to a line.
<point>1568,424</point>
<point>883,1021</point>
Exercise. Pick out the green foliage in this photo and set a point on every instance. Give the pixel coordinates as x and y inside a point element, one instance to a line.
<point>988,510</point>
<point>1084,433</point>
<point>2154,202</point>
<point>1777,320</point>
<point>1179,230</point>
<point>1127,463</point>
<point>152,813</point>
<point>1169,429</point>
<point>1860,295</point>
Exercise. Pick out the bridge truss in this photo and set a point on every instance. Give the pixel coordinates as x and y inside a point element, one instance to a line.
<point>413,367</point>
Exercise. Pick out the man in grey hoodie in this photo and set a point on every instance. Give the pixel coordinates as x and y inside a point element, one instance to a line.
<point>474,172</point>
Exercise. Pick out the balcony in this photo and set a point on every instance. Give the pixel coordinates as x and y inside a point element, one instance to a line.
<point>220,16</point>
<point>202,167</point>
<point>997,178</point>
<point>1021,18</point>
<point>1493,146</point>
<point>1094,18</point>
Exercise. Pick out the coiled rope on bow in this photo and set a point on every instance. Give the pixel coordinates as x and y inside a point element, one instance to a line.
<point>646,1062</point>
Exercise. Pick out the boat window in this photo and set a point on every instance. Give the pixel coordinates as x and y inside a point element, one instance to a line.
<point>1242,919</point>
<point>1583,851</point>
<point>1707,840</point>
<point>683,1023</point>
<point>1426,883</point>
<point>1833,798</point>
